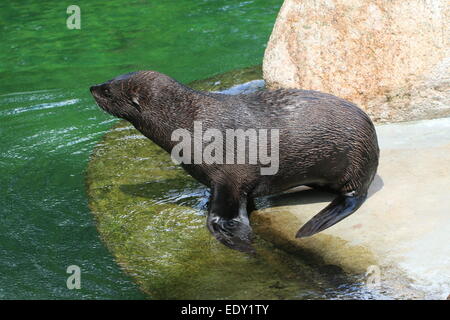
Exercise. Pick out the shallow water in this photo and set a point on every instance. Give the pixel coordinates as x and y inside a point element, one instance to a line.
<point>49,124</point>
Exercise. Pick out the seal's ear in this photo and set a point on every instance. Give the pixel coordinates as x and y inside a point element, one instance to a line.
<point>135,103</point>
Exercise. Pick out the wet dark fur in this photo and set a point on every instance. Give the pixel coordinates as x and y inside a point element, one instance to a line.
<point>325,142</point>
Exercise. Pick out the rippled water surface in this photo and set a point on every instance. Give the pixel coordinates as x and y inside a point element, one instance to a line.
<point>49,124</point>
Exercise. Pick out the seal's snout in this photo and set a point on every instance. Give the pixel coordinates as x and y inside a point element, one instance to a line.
<point>103,97</point>
<point>99,90</point>
<point>234,233</point>
<point>96,92</point>
<point>93,88</point>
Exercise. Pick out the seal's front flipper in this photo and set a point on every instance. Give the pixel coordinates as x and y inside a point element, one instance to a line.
<point>340,208</point>
<point>228,220</point>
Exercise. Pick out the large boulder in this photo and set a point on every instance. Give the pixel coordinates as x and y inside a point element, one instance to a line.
<point>391,57</point>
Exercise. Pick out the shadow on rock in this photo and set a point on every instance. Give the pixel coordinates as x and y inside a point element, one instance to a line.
<point>306,195</point>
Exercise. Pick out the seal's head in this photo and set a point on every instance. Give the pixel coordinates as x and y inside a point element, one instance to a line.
<point>116,96</point>
<point>235,233</point>
<point>131,96</point>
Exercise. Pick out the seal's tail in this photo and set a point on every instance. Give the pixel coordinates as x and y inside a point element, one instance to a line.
<point>340,208</point>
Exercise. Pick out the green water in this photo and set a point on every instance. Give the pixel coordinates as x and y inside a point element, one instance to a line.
<point>49,124</point>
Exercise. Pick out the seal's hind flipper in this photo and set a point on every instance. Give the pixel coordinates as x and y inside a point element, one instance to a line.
<point>340,208</point>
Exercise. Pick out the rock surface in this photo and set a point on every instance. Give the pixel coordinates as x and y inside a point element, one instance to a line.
<point>390,57</point>
<point>403,228</point>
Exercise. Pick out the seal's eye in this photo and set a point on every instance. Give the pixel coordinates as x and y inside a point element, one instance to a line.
<point>231,224</point>
<point>135,103</point>
<point>106,92</point>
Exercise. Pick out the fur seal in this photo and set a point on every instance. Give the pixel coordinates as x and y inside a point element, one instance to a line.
<point>325,142</point>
